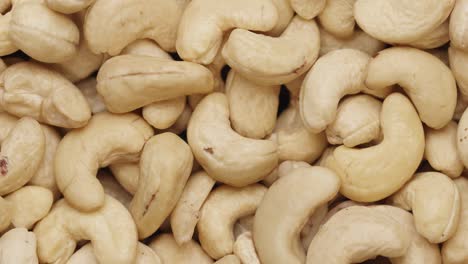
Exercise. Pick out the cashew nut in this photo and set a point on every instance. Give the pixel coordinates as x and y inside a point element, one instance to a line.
<point>94,99</point>
<point>360,40</point>
<point>114,189</point>
<point>182,122</point>
<point>244,249</point>
<point>312,226</point>
<point>163,114</point>
<point>458,20</point>
<point>337,18</point>
<point>308,9</point>
<point>6,44</point>
<point>169,251</point>
<point>283,169</point>
<point>68,6</point>
<point>18,246</point>
<point>458,61</point>
<point>436,38</point>
<point>127,174</point>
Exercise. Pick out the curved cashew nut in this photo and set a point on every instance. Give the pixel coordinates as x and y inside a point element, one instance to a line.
<point>427,81</point>
<point>68,6</point>
<point>29,89</point>
<point>204,22</point>
<point>229,259</point>
<point>357,121</point>
<point>114,189</point>
<point>106,139</point>
<point>127,174</point>
<point>94,99</point>
<point>215,227</point>
<point>364,177</point>
<point>401,21</point>
<point>225,155</point>
<point>436,38</point>
<point>244,249</point>
<point>341,238</point>
<point>360,40</point>
<point>458,20</point>
<point>458,61</point>
<point>43,34</point>
<point>338,18</point>
<point>161,181</point>
<point>435,202</point>
<point>308,9</point>
<point>252,107</point>
<point>185,216</point>
<point>250,54</point>
<point>169,251</point>
<point>110,228</point>
<point>128,82</point>
<point>277,238</point>
<point>18,246</point>
<point>111,25</point>
<point>441,150</point>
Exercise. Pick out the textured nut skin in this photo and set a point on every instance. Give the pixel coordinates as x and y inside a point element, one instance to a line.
<point>111,230</point>
<point>106,139</point>
<point>278,221</point>
<point>225,155</point>
<point>167,249</point>
<point>458,20</point>
<point>68,6</point>
<point>360,40</point>
<point>338,18</point>
<point>18,246</point>
<point>165,165</point>
<point>308,9</point>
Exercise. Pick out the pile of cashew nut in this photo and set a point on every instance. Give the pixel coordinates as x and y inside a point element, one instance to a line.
<point>233,131</point>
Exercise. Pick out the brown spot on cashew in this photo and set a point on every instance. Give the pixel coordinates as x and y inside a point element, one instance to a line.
<point>4,166</point>
<point>209,150</point>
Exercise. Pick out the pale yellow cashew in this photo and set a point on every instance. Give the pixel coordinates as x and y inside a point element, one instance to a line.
<point>127,174</point>
<point>401,21</point>
<point>458,64</point>
<point>107,138</point>
<point>308,9</point>
<point>30,89</point>
<point>427,81</point>
<point>365,178</point>
<point>273,61</point>
<point>229,259</point>
<point>277,224</point>
<point>283,169</point>
<point>441,150</point>
<point>360,40</point>
<point>111,230</point>
<point>169,251</point>
<point>253,108</point>
<point>114,189</point>
<point>182,122</point>
<point>165,166</point>
<point>6,44</point>
<point>68,6</point>
<point>312,226</point>
<point>146,47</point>
<point>94,99</point>
<point>462,104</point>
<point>204,21</point>
<point>338,18</point>
<point>462,138</point>
<point>185,216</point>
<point>458,20</point>
<point>435,202</point>
<point>5,215</point>
<point>357,121</point>
<point>341,240</point>
<point>436,38</point>
<point>244,249</point>
<point>111,25</point>
<point>285,14</point>
<point>225,155</point>
<point>18,246</point>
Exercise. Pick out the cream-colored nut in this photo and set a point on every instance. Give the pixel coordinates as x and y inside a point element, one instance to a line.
<point>21,154</point>
<point>273,61</point>
<point>43,34</point>
<point>85,255</point>
<point>6,44</point>
<point>294,88</point>
<point>30,89</point>
<point>204,21</point>
<point>107,138</point>
<point>435,202</point>
<point>29,205</point>
<point>342,240</point>
<point>458,20</point>
<point>181,124</point>
<point>337,18</point>
<point>164,114</point>
<point>277,224</point>
<point>68,6</point>
<point>462,138</point>
<point>458,61</point>
<point>229,259</point>
<point>401,21</point>
<point>308,9</point>
<point>462,104</point>
<point>95,101</point>
<point>357,121</point>
<point>253,108</point>
<point>441,150</point>
<point>215,226</point>
<point>109,30</point>
<point>295,142</point>
<point>436,38</point>
<point>5,214</point>
<point>244,249</point>
<point>454,250</point>
<point>128,82</point>
<point>283,169</point>
<point>185,216</point>
<point>285,14</point>
<point>165,166</point>
<point>360,40</point>
<point>127,174</point>
<point>244,224</point>
<point>312,226</point>
<point>426,80</point>
<point>114,189</point>
<point>18,246</point>
<point>365,178</point>
<point>146,47</point>
<point>111,230</point>
<point>225,155</point>
<point>169,251</point>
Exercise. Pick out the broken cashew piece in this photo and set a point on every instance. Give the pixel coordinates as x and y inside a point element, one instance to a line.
<point>338,18</point>
<point>169,251</point>
<point>18,246</point>
<point>360,40</point>
<point>244,249</point>
<point>68,6</point>
<point>107,138</point>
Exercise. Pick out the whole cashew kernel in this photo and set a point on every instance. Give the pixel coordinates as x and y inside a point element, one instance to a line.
<point>169,251</point>
<point>244,249</point>
<point>68,6</point>
<point>337,18</point>
<point>360,40</point>
<point>18,246</point>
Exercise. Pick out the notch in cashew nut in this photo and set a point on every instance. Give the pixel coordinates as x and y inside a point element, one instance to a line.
<point>169,251</point>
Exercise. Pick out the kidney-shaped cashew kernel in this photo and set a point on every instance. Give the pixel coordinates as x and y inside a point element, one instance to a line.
<point>458,64</point>
<point>106,139</point>
<point>68,6</point>
<point>272,61</point>
<point>29,89</point>
<point>18,246</point>
<point>225,155</point>
<point>285,209</point>
<point>110,228</point>
<point>244,249</point>
<point>360,40</point>
<point>458,20</point>
<point>169,251</point>
<point>342,240</point>
<point>337,18</point>
<point>401,21</point>
<point>373,173</point>
<point>426,79</point>
<point>215,227</point>
<point>185,216</point>
<point>43,34</point>
<point>308,9</point>
<point>435,202</point>
<point>128,82</point>
<point>165,165</point>
<point>441,150</point>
